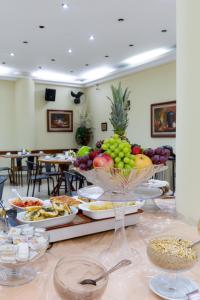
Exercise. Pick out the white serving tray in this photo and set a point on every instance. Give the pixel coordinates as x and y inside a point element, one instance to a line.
<point>83,225</point>
<point>107,213</point>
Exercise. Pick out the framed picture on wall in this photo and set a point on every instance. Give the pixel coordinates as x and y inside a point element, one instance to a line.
<point>59,120</point>
<point>104,126</point>
<point>163,119</point>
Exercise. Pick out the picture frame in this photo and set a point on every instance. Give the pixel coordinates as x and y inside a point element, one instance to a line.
<point>104,126</point>
<point>59,120</point>
<point>163,119</point>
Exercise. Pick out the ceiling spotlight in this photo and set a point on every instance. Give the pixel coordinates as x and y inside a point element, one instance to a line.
<point>70,51</point>
<point>53,59</point>
<point>106,56</point>
<point>91,38</point>
<point>3,63</point>
<point>41,26</point>
<point>71,71</point>
<point>120,20</point>
<point>86,65</point>
<point>25,42</point>
<point>12,54</point>
<point>131,45</point>
<point>40,67</point>
<point>164,30</point>
<point>64,5</point>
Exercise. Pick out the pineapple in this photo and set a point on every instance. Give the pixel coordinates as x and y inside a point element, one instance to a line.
<point>119,109</point>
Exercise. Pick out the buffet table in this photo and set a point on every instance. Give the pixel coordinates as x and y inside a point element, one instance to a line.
<point>124,284</point>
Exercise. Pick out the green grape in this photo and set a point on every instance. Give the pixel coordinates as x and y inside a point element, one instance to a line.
<point>112,154</point>
<point>117,150</point>
<point>115,136</point>
<point>111,140</point>
<point>112,147</point>
<point>104,146</point>
<point>109,152</point>
<point>132,157</point>
<point>126,166</point>
<point>126,150</point>
<point>121,154</point>
<point>132,164</point>
<point>120,165</point>
<point>126,160</point>
<point>117,159</point>
<point>121,146</point>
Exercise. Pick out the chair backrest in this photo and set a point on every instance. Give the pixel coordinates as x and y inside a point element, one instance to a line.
<point>19,162</point>
<point>2,180</point>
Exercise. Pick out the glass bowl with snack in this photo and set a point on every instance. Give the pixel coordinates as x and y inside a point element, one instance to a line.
<point>172,254</point>
<point>19,248</point>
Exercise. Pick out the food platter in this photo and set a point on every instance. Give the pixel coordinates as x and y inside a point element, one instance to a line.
<point>61,220</point>
<point>27,203</point>
<point>104,213</point>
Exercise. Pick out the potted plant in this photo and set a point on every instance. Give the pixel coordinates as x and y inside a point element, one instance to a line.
<point>84,130</point>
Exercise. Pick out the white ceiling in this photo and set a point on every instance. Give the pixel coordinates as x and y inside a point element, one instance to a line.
<point>71,28</point>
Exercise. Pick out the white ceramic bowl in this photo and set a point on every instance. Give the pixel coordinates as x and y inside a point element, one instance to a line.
<point>10,202</point>
<point>51,222</point>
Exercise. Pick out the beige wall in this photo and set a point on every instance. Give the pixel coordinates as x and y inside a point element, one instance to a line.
<point>153,85</point>
<point>55,140</point>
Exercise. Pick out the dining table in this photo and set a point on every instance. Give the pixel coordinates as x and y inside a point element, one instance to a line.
<point>13,164</point>
<point>128,283</point>
<point>63,164</point>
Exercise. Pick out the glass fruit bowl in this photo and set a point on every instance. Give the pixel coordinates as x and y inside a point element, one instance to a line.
<point>69,271</point>
<point>17,255</point>
<point>118,186</point>
<point>173,255</point>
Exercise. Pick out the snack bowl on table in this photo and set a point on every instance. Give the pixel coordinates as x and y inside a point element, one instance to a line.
<point>19,249</point>
<point>173,255</point>
<point>28,202</point>
<point>68,273</point>
<point>48,221</point>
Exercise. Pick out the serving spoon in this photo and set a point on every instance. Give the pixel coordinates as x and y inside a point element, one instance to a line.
<point>19,196</point>
<point>121,264</point>
<point>194,244</point>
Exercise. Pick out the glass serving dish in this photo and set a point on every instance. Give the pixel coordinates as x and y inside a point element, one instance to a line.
<point>69,271</point>
<point>118,186</point>
<point>15,268</point>
<point>173,255</point>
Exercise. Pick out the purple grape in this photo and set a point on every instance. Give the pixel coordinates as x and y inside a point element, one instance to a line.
<point>83,167</point>
<point>149,152</point>
<point>85,159</point>
<point>76,163</point>
<point>163,159</point>
<point>158,151</point>
<point>167,153</point>
<point>89,164</point>
<point>155,159</point>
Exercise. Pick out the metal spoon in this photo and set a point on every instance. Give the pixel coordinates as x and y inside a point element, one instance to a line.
<point>122,263</point>
<point>194,244</point>
<point>16,192</point>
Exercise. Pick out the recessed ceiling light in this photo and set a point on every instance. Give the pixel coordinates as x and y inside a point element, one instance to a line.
<point>25,42</point>
<point>91,38</point>
<point>3,63</point>
<point>70,50</point>
<point>131,45</point>
<point>106,56</point>
<point>146,57</point>
<point>71,71</point>
<point>53,59</point>
<point>41,26</point>
<point>40,67</point>
<point>164,30</point>
<point>12,54</point>
<point>120,20</point>
<point>64,5</point>
<point>86,65</point>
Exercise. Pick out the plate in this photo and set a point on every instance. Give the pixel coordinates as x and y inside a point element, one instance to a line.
<point>91,192</point>
<point>145,193</point>
<point>51,222</point>
<point>107,213</point>
<point>25,198</point>
<point>154,183</point>
<point>158,285</point>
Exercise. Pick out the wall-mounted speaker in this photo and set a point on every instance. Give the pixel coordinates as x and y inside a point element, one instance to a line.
<point>50,95</point>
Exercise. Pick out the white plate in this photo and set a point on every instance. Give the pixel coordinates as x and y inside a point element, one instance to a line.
<point>107,213</point>
<point>145,193</point>
<point>51,222</point>
<point>25,198</point>
<point>91,192</point>
<point>154,183</point>
<point>158,286</point>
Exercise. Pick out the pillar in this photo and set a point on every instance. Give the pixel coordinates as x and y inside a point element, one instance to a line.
<point>188,109</point>
<point>25,113</point>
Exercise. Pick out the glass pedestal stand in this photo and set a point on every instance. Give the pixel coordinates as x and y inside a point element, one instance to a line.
<point>16,276</point>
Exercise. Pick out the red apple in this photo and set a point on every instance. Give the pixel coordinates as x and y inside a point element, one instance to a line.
<point>136,150</point>
<point>103,161</point>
